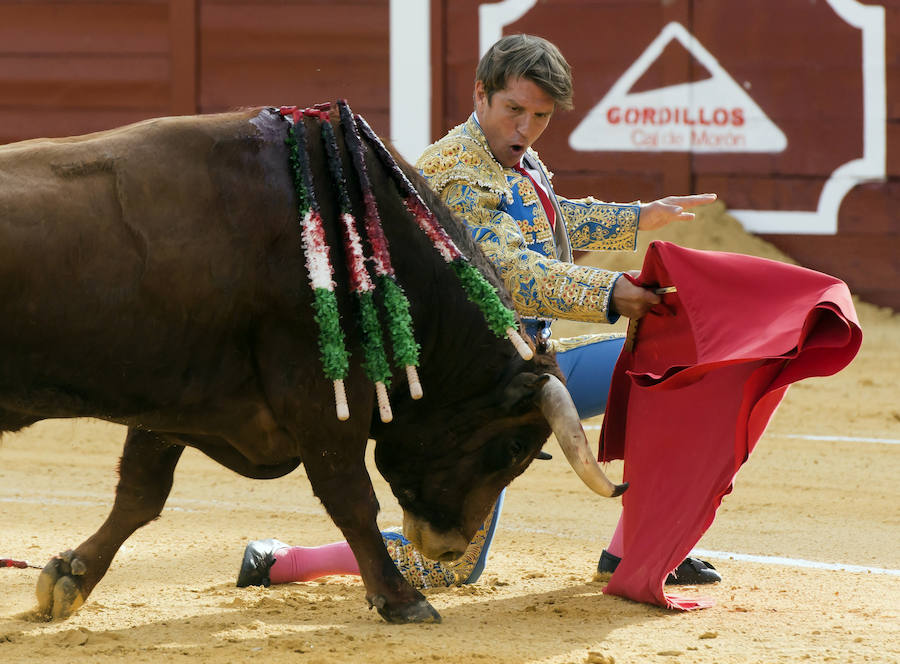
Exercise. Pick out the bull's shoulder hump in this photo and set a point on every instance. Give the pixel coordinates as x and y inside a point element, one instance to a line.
<point>235,123</point>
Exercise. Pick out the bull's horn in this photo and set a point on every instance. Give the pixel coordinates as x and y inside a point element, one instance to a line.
<point>557,406</point>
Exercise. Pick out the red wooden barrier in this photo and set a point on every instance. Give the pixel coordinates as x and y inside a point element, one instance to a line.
<point>73,66</point>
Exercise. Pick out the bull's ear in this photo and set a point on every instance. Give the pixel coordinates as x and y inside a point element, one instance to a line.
<point>523,388</point>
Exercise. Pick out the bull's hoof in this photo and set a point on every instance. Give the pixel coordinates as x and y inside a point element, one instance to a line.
<point>419,611</point>
<point>58,587</point>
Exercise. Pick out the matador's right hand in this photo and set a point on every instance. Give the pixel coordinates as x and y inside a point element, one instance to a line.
<point>630,300</point>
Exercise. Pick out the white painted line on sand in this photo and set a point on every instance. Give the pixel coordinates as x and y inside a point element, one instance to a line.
<point>173,505</point>
<point>515,524</point>
<point>207,505</point>
<point>848,439</point>
<point>793,562</point>
<point>840,439</point>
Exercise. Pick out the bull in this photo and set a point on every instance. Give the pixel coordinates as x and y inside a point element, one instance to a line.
<point>152,276</point>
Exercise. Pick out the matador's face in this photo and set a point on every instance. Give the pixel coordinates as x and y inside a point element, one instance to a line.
<point>513,118</point>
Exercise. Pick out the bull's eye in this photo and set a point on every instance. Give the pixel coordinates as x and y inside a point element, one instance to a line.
<point>515,449</point>
<point>504,454</point>
<point>409,495</point>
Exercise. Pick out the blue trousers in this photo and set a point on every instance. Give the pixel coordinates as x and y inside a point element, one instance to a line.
<point>588,369</point>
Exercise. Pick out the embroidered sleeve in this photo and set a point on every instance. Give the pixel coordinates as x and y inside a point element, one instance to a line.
<point>594,225</point>
<point>541,287</point>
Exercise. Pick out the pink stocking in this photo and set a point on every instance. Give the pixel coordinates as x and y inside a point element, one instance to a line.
<point>299,563</point>
<point>616,546</point>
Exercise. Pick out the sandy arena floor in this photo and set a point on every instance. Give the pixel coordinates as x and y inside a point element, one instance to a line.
<point>170,594</point>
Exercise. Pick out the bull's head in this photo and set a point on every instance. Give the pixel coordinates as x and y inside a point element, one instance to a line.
<point>448,472</point>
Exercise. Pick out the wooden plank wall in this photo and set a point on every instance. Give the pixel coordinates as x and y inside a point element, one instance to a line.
<point>70,67</point>
<point>302,52</point>
<point>866,251</point>
<point>74,67</point>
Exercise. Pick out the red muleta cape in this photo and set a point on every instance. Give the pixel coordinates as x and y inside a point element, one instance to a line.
<point>692,396</point>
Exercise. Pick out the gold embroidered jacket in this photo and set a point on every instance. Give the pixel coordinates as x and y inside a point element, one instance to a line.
<point>505,215</point>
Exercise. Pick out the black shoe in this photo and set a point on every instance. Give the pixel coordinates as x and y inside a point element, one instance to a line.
<point>690,572</point>
<point>259,556</point>
<point>608,563</point>
<point>693,572</point>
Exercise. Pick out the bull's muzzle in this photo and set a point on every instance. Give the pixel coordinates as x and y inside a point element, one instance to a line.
<point>444,546</point>
<point>557,406</point>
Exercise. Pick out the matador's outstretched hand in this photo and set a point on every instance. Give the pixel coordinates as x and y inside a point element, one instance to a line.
<point>671,208</point>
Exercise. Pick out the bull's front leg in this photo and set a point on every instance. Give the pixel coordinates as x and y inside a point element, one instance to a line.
<point>145,479</point>
<point>345,489</point>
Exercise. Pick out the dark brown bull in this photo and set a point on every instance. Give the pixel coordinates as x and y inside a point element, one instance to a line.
<point>153,276</point>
